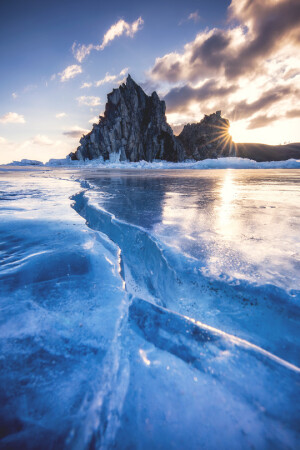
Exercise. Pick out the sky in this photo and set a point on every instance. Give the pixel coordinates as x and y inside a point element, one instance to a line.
<point>59,59</point>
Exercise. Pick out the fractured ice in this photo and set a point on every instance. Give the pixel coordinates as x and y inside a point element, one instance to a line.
<point>154,309</point>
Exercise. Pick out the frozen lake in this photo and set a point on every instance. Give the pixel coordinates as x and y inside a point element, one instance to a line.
<point>149,308</point>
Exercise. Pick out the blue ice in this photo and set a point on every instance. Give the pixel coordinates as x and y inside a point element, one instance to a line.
<point>153,309</point>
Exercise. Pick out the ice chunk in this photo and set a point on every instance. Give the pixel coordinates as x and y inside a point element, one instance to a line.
<point>26,162</point>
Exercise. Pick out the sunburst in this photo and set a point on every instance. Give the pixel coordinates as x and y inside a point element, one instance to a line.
<point>223,137</point>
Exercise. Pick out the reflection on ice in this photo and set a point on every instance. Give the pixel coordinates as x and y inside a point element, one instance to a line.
<point>236,228</point>
<point>225,224</point>
<point>143,355</point>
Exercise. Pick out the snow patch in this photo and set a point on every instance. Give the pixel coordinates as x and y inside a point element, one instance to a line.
<point>115,163</point>
<point>220,163</point>
<point>26,162</point>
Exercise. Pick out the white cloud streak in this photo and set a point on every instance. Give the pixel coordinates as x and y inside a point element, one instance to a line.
<point>60,115</point>
<point>12,117</point>
<point>94,120</point>
<point>75,132</point>
<point>86,85</point>
<point>194,17</point>
<point>42,139</point>
<point>119,28</point>
<point>107,79</point>
<point>70,72</point>
<point>88,100</point>
<point>116,30</point>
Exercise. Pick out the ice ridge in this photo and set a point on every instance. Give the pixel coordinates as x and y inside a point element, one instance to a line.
<point>152,271</point>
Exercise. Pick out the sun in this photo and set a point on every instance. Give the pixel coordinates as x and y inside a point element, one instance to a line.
<point>221,138</point>
<point>238,132</point>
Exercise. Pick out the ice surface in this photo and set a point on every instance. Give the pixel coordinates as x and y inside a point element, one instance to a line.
<point>152,309</point>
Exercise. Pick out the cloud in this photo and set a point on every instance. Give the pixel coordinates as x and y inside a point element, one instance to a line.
<point>261,121</point>
<point>123,72</point>
<point>94,119</point>
<point>234,51</point>
<point>14,95</point>
<point>266,29</point>
<point>194,17</point>
<point>201,58</point>
<point>86,85</point>
<point>118,29</point>
<point>107,79</point>
<point>75,132</point>
<point>80,51</point>
<point>12,117</point>
<point>293,113</point>
<point>247,68</point>
<point>88,100</point>
<point>70,72</point>
<point>60,115</point>
<point>244,109</point>
<point>2,140</point>
<point>41,139</point>
<point>177,129</point>
<point>180,97</point>
<point>212,49</point>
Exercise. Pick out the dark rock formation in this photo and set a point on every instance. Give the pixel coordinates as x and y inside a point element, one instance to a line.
<point>134,128</point>
<point>207,139</point>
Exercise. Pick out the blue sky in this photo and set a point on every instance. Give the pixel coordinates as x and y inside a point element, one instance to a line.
<point>61,58</point>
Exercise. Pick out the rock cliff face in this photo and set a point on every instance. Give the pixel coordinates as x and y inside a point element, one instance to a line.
<point>208,138</point>
<point>133,128</point>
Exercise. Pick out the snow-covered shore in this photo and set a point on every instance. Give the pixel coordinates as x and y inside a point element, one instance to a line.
<point>113,163</point>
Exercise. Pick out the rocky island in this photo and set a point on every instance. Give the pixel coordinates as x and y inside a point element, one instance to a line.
<point>134,128</point>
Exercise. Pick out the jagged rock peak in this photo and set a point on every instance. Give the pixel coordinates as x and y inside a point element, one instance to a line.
<point>209,138</point>
<point>133,128</point>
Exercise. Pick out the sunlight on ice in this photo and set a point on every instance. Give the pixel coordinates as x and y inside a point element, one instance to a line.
<point>143,355</point>
<point>109,261</point>
<point>175,212</point>
<point>120,269</point>
<point>227,196</point>
<point>88,245</point>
